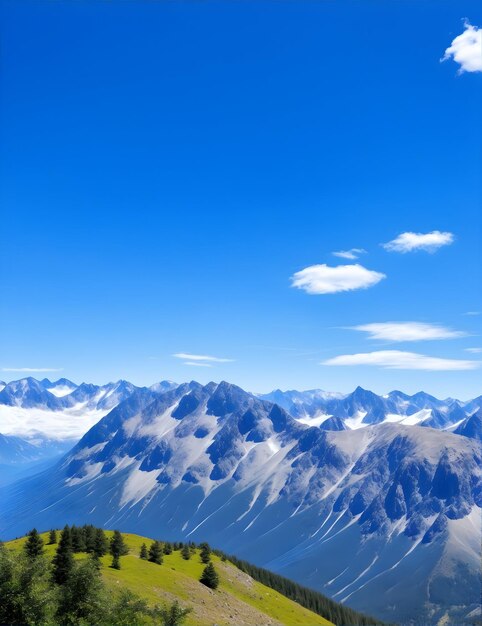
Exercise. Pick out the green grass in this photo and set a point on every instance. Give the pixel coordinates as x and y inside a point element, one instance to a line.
<point>239,600</point>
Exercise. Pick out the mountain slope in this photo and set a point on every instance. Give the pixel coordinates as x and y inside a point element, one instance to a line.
<point>385,518</point>
<point>14,450</point>
<point>239,600</point>
<point>471,426</point>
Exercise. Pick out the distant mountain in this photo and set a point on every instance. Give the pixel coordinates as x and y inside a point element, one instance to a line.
<point>164,385</point>
<point>60,387</point>
<point>300,403</point>
<point>28,393</point>
<point>361,408</point>
<point>384,517</point>
<point>61,410</point>
<point>62,394</point>
<point>97,397</point>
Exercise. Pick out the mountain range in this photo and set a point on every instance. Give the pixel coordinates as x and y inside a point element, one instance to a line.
<point>373,500</point>
<point>47,418</point>
<point>333,411</point>
<point>34,410</point>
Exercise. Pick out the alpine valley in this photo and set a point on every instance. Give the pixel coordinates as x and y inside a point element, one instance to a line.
<point>373,500</point>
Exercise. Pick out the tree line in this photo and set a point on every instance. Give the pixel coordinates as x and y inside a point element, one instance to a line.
<point>308,598</point>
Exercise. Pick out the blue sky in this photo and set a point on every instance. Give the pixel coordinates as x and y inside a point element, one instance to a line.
<point>168,167</point>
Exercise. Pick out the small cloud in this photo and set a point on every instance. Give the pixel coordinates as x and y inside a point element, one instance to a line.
<point>200,357</point>
<point>197,364</point>
<point>408,331</point>
<point>408,242</point>
<point>466,49</point>
<point>321,279</point>
<point>32,369</point>
<point>472,313</point>
<point>474,350</point>
<point>399,360</point>
<point>351,254</point>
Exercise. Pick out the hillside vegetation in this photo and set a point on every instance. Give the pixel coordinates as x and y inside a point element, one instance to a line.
<point>135,580</point>
<point>238,599</point>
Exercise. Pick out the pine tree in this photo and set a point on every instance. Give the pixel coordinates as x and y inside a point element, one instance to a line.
<point>82,598</point>
<point>63,561</point>
<point>205,553</point>
<point>52,537</point>
<point>78,539</point>
<point>143,552</point>
<point>34,545</point>
<point>167,548</point>
<point>117,548</point>
<point>210,577</point>
<point>95,560</point>
<point>100,543</point>
<point>89,535</point>
<point>26,597</point>
<point>173,615</point>
<point>128,610</point>
<point>155,552</point>
<point>185,552</point>
<point>117,544</point>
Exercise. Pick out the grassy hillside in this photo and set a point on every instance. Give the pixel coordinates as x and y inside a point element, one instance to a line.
<point>238,600</point>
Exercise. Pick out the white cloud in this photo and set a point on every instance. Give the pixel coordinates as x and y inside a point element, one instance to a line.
<point>472,313</point>
<point>32,369</point>
<point>399,360</point>
<point>351,254</point>
<point>320,279</point>
<point>34,424</point>
<point>466,49</point>
<point>201,357</point>
<point>408,331</point>
<point>408,242</point>
<point>197,364</point>
<point>474,350</point>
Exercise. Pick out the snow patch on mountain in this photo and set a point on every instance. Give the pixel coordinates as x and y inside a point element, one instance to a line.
<point>138,485</point>
<point>316,420</point>
<point>61,390</point>
<point>356,421</point>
